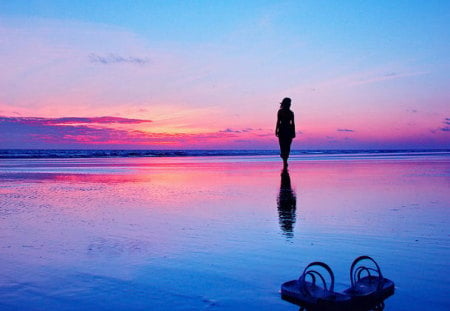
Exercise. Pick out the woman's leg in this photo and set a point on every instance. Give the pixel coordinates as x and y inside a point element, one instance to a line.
<point>285,148</point>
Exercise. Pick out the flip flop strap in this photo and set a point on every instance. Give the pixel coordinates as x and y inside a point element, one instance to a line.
<point>362,269</point>
<point>313,274</point>
<point>356,274</point>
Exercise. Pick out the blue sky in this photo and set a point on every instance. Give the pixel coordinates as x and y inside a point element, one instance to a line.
<point>379,68</point>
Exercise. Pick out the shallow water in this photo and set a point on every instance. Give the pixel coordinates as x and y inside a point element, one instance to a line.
<point>217,233</point>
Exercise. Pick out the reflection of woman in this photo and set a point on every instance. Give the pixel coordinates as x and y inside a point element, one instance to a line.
<point>285,129</point>
<point>287,203</point>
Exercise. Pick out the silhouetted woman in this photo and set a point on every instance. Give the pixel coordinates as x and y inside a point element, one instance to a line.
<point>285,129</point>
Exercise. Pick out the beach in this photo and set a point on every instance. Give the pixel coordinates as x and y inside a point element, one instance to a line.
<point>218,232</point>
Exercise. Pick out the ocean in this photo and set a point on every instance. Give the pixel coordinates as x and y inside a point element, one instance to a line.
<point>110,153</point>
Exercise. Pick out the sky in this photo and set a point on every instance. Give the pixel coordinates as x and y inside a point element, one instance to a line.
<point>211,74</point>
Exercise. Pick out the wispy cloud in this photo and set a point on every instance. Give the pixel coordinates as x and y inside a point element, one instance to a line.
<point>99,120</point>
<point>72,120</point>
<point>446,128</point>
<point>117,59</point>
<point>387,76</point>
<point>390,74</point>
<point>229,130</point>
<point>345,130</point>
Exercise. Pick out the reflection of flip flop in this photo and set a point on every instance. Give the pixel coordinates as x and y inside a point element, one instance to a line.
<point>306,293</point>
<point>369,290</point>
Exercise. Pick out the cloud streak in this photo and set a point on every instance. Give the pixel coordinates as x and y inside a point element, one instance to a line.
<point>111,58</point>
<point>446,128</point>
<point>387,76</point>
<point>229,130</point>
<point>345,130</point>
<point>72,120</point>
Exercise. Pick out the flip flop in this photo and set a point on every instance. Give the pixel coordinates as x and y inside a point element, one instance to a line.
<point>305,292</point>
<point>370,290</point>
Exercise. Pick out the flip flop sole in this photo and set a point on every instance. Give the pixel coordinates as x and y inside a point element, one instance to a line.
<point>317,299</point>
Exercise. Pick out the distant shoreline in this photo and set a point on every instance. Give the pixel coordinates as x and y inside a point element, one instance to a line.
<point>112,153</point>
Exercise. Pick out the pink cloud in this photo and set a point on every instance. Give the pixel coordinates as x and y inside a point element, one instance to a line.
<point>72,120</point>
<point>74,132</point>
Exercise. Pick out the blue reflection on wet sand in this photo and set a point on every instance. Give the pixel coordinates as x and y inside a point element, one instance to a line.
<point>217,233</point>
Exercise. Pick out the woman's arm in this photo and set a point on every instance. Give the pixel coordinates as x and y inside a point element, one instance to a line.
<point>293,126</point>
<point>277,126</point>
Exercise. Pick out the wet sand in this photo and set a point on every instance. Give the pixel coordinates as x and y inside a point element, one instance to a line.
<point>217,233</point>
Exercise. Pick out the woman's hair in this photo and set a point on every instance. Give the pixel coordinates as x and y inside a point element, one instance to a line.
<point>285,103</point>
